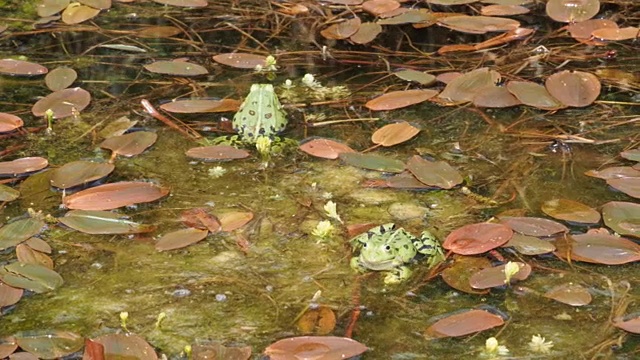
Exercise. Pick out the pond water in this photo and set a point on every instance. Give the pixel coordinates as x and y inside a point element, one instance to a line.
<point>213,290</point>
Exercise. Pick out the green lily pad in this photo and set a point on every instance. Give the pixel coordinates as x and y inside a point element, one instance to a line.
<point>36,278</point>
<point>622,217</point>
<point>18,231</point>
<point>434,173</point>
<point>102,222</point>
<point>373,162</point>
<point>47,344</point>
<point>8,194</point>
<point>569,210</point>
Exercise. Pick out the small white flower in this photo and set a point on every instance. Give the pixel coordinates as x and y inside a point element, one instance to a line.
<point>263,145</point>
<point>493,349</point>
<point>540,345</point>
<point>331,210</point>
<point>510,269</point>
<point>217,171</point>
<point>288,84</point>
<point>309,81</point>
<point>323,229</point>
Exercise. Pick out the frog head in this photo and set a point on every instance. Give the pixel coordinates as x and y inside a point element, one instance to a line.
<point>386,251</point>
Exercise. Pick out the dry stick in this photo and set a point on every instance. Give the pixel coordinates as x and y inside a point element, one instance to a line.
<point>190,133</point>
<point>247,35</point>
<point>355,302</point>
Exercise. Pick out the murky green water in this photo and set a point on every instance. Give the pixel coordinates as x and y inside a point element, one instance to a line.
<point>212,290</point>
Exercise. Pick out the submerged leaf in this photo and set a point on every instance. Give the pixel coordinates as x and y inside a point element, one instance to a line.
<point>570,294</point>
<point>102,222</point>
<point>79,172</point>
<point>434,173</point>
<point>36,278</point>
<point>180,238</point>
<point>373,162</point>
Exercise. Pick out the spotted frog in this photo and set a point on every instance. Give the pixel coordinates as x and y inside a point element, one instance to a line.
<point>259,115</point>
<point>388,248</point>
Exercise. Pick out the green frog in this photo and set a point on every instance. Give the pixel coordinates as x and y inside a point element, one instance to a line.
<point>389,248</point>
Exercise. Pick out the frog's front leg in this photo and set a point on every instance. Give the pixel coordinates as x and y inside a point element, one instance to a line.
<point>397,275</point>
<point>356,265</point>
<point>429,246</point>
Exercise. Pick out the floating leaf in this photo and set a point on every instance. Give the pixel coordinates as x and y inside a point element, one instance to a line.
<point>234,220</point>
<point>404,180</point>
<point>342,30</point>
<point>184,3</point>
<point>180,238</point>
<point>570,294</point>
<point>217,153</point>
<point>467,86</point>
<point>496,277</point>
<point>573,88</point>
<point>8,194</point>
<point>51,7</point>
<point>569,210</point>
<point>319,320</point>
<point>9,122</point>
<point>399,99</point>
<point>63,103</point>
<point>457,274</point>
<point>38,244</point>
<point>464,323</point>
<point>130,144</point>
<point>582,30</point>
<point>49,344</point>
<point>475,239</point>
<point>533,94</point>
<point>478,24</point>
<point>414,16</point>
<point>600,249</point>
<point>126,346</point>
<point>614,172</point>
<point>20,67</point>
<point>628,185</point>
<point>434,173</point>
<point>201,106</point>
<point>450,2</point>
<point>633,154</point>
<point>158,32</point>
<point>572,10</point>
<point>27,255</point>
<point>240,60</point>
<point>98,4</point>
<point>366,33</point>
<point>420,77</point>
<point>178,68</point>
<point>79,172</point>
<point>18,231</point>
<point>102,222</point>
<point>622,217</point>
<point>22,166</point>
<point>9,295</point>
<point>215,350</point>
<point>36,278</point>
<point>495,97</point>
<point>115,195</point>
<point>324,148</point>
<point>393,134</point>
<point>314,347</point>
<point>533,226</point>
<point>377,7</point>
<point>373,162</point>
<point>117,127</point>
<point>530,245</point>
<point>503,10</point>
<point>201,219</point>
<point>631,325</point>
<point>76,13</point>
<point>60,78</point>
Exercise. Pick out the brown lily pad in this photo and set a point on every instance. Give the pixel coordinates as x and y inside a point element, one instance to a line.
<point>9,122</point>
<point>478,238</point>
<point>21,67</point>
<point>533,226</point>
<point>79,172</point>
<point>622,217</point>
<point>314,347</point>
<point>464,323</point>
<point>180,238</point>
<point>399,99</point>
<point>63,103</point>
<point>569,210</point>
<point>495,276</point>
<point>115,195</point>
<point>324,148</point>
<point>22,166</point>
<point>434,173</point>
<point>130,144</point>
<point>570,294</point>
<point>217,153</point>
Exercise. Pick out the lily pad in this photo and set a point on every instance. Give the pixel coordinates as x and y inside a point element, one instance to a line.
<point>51,7</point>
<point>21,67</point>
<point>324,148</point>
<point>9,122</point>
<point>36,278</point>
<point>395,133</point>
<point>115,195</point>
<point>217,153</point>
<point>22,166</point>
<point>530,245</point>
<point>478,238</point>
<point>76,13</point>
<point>18,231</point>
<point>130,144</point>
<point>215,350</point>
<point>533,226</point>
<point>314,347</point>
<point>573,88</point>
<point>532,94</point>
<point>366,33</point>
<point>63,103</point>
<point>373,162</point>
<point>102,222</point>
<point>457,275</point>
<point>201,106</point>
<point>180,238</point>
<point>569,210</point>
<point>27,255</point>
<point>570,294</point>
<point>79,172</point>
<point>201,219</point>
<point>614,172</point>
<point>495,276</point>
<point>434,173</point>
<point>622,217</point>
<point>464,323</point>
<point>399,99</point>
<point>420,77</point>
<point>466,87</point>
<point>178,68</point>
<point>9,295</point>
<point>628,185</point>
<point>60,78</point>
<point>320,320</point>
<point>599,249</point>
<point>631,325</point>
<point>342,30</point>
<point>572,10</point>
<point>478,24</point>
<point>233,220</point>
<point>126,346</point>
<point>240,60</point>
<point>49,344</point>
<point>8,194</point>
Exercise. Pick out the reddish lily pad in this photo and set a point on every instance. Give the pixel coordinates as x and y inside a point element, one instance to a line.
<point>573,88</point>
<point>478,24</point>
<point>178,68</point>
<point>373,162</point>
<point>79,172</point>
<point>466,87</point>
<point>102,222</point>
<point>434,173</point>
<point>314,347</point>
<point>60,78</point>
<point>342,30</point>
<point>420,77</point>
<point>20,67</point>
<point>464,323</point>
<point>9,295</point>
<point>629,185</point>
<point>115,195</point>
<point>201,106</point>
<point>130,144</point>
<point>366,33</point>
<point>495,97</point>
<point>49,344</point>
<point>63,103</point>
<point>36,278</point>
<point>529,245</point>
<point>9,122</point>
<point>234,219</point>
<point>570,294</point>
<point>217,153</point>
<point>496,277</point>
<point>399,99</point>
<point>22,166</point>
<point>478,238</point>
<point>158,32</point>
<point>393,134</point>
<point>324,148</point>
<point>599,249</point>
<point>27,255</point>
<point>201,219</point>
<point>630,325</point>
<point>569,210</point>
<point>533,226</point>
<point>180,238</point>
<point>622,217</point>
<point>240,60</point>
<point>126,346</point>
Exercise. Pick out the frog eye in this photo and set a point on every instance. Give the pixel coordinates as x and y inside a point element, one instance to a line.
<point>387,248</point>
<point>364,245</point>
